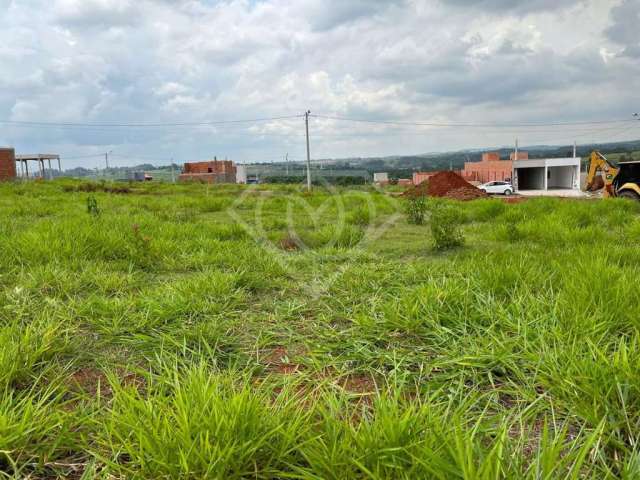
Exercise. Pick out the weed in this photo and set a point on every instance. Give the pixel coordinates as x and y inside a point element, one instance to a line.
<point>445,228</point>
<point>142,253</point>
<point>416,209</point>
<point>92,206</point>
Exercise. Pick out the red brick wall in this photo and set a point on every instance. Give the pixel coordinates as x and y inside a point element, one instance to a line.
<point>216,166</point>
<point>488,171</point>
<point>491,157</point>
<point>419,177</point>
<point>7,164</point>
<point>521,156</point>
<point>216,171</point>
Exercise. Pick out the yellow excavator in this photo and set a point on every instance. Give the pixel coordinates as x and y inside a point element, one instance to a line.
<point>621,180</point>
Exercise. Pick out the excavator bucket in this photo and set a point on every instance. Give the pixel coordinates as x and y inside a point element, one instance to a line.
<point>597,184</point>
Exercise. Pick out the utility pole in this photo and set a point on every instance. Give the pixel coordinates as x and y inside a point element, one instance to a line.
<point>286,159</point>
<point>306,122</point>
<point>106,162</point>
<point>173,175</point>
<point>514,180</point>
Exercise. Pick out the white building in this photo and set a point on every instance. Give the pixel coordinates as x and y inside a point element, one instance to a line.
<point>540,176</point>
<point>241,174</point>
<point>381,177</point>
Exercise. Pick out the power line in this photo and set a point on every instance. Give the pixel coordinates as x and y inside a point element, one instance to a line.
<point>79,157</point>
<point>146,125</point>
<point>468,125</point>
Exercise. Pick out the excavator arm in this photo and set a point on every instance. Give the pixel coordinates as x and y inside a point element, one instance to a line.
<point>601,174</point>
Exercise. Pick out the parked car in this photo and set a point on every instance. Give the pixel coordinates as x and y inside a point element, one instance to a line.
<point>501,188</point>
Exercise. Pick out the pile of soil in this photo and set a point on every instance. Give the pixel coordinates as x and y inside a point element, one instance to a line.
<point>465,193</point>
<point>446,184</point>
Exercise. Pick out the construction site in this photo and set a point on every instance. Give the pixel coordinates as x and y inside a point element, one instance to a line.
<point>216,171</point>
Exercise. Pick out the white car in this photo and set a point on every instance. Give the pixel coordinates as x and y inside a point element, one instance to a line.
<point>502,188</point>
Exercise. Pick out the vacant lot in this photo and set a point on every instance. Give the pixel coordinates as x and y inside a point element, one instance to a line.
<point>195,332</point>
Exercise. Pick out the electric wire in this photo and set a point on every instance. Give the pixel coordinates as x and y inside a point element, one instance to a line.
<point>469,125</point>
<point>146,125</point>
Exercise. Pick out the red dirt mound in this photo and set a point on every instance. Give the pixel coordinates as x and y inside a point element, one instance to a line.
<point>465,193</point>
<point>444,182</point>
<point>447,184</point>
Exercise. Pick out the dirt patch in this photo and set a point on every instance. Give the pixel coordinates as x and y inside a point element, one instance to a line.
<point>278,360</point>
<point>359,384</point>
<point>446,184</point>
<point>92,382</point>
<point>97,187</point>
<point>513,199</point>
<point>289,243</point>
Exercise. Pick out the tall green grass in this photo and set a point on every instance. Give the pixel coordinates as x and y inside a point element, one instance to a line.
<point>172,336</point>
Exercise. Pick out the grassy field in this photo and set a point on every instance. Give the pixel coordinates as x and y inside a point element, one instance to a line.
<point>226,332</point>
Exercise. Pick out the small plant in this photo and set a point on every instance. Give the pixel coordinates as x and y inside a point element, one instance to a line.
<point>513,232</point>
<point>445,228</point>
<point>416,209</point>
<point>142,253</point>
<point>92,206</point>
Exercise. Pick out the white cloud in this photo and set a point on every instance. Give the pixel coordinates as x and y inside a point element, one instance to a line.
<point>141,61</point>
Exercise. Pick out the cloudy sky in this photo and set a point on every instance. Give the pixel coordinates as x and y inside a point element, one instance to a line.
<point>492,64</point>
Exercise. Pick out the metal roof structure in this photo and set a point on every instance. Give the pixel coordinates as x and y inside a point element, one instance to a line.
<point>40,158</point>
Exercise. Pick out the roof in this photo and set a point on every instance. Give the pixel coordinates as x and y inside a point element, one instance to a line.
<point>38,156</point>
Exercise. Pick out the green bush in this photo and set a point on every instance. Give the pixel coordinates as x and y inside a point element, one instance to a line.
<point>416,209</point>
<point>445,228</point>
<point>361,217</point>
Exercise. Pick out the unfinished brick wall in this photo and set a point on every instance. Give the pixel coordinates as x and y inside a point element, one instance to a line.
<point>521,156</point>
<point>214,166</point>
<point>215,171</point>
<point>491,157</point>
<point>490,169</point>
<point>419,177</point>
<point>7,164</point>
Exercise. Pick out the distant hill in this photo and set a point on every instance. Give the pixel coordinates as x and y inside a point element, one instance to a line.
<point>398,166</point>
<point>402,166</point>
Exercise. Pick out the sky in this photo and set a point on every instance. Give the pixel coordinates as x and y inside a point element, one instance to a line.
<point>490,71</point>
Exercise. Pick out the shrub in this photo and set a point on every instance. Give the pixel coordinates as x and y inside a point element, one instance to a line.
<point>361,217</point>
<point>445,228</point>
<point>416,209</point>
<point>92,206</point>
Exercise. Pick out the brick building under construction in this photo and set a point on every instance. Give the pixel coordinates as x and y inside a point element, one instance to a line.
<point>215,171</point>
<point>7,164</point>
<point>491,168</point>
